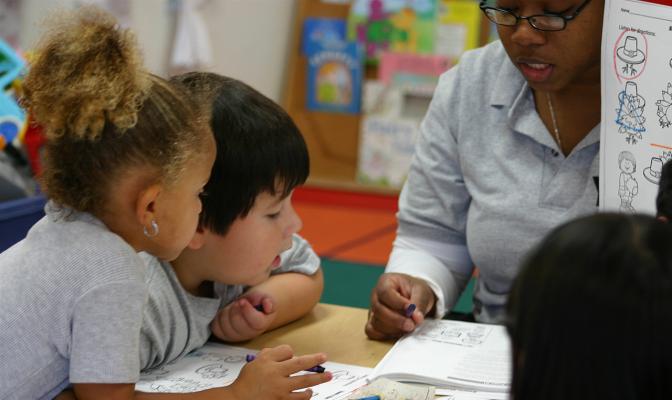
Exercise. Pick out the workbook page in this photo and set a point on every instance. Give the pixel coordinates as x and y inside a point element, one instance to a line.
<point>451,354</point>
<point>636,130</point>
<point>216,365</point>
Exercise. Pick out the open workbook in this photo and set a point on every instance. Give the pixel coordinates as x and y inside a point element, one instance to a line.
<point>451,354</point>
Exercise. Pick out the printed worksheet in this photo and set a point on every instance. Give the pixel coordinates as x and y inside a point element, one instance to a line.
<point>216,365</point>
<point>449,354</point>
<point>636,131</point>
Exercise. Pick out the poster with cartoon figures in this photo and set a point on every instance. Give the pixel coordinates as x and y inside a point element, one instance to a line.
<point>636,131</point>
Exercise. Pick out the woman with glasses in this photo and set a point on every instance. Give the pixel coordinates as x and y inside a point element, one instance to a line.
<point>508,150</point>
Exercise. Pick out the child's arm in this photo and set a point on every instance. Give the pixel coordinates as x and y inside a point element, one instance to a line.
<point>294,295</point>
<point>281,299</point>
<point>267,377</point>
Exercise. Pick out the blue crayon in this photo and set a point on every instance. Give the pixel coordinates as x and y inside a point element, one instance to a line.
<point>409,310</point>
<point>318,368</point>
<point>369,398</point>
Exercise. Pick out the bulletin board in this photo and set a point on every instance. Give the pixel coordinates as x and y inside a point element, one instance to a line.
<point>332,138</point>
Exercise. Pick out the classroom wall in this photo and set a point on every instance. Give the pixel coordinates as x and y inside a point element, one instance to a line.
<point>250,38</point>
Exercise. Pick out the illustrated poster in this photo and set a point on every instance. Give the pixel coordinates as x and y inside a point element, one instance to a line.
<point>636,131</point>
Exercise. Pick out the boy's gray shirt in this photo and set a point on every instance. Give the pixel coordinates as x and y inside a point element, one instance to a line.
<point>486,183</point>
<point>71,301</point>
<point>177,322</point>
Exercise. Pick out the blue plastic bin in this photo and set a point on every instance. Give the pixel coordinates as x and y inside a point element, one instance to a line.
<point>16,218</point>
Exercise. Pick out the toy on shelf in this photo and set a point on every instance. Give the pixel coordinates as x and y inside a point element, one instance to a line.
<point>12,118</point>
<point>391,25</point>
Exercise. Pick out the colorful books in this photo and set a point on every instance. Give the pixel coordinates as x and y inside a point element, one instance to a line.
<point>411,68</point>
<point>335,71</point>
<point>392,25</point>
<point>393,107</point>
<point>459,27</point>
<point>322,30</point>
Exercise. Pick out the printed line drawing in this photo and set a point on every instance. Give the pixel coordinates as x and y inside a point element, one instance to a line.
<point>215,357</point>
<point>179,385</point>
<point>346,378</point>
<point>653,171</point>
<point>213,371</point>
<point>664,107</point>
<point>456,334</point>
<point>630,113</point>
<point>631,55</point>
<point>627,184</point>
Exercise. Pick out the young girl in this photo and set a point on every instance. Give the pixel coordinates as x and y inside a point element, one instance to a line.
<point>590,315</point>
<point>126,160</point>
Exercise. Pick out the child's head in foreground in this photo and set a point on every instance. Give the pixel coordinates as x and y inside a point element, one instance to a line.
<point>590,314</point>
<point>664,198</point>
<point>247,218</point>
<point>122,144</point>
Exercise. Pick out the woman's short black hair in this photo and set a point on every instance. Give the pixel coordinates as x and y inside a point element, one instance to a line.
<point>259,148</point>
<point>590,314</point>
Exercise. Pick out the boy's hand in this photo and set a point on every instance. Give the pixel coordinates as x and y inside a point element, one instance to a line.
<point>240,320</point>
<point>268,376</point>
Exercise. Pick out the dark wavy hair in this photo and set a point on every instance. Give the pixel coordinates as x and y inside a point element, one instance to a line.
<point>590,314</point>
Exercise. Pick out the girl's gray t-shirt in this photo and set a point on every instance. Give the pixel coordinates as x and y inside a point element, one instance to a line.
<point>71,301</point>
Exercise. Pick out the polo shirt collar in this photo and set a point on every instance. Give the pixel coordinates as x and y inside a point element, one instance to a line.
<point>511,91</point>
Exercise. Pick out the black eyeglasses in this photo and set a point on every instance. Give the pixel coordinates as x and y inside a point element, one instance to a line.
<point>541,22</point>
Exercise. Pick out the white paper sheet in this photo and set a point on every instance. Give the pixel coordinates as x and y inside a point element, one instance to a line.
<point>636,131</point>
<point>451,354</point>
<point>216,365</point>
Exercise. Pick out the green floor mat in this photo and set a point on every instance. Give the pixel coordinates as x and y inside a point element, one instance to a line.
<point>349,284</point>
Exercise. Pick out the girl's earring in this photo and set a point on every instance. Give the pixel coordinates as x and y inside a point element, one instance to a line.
<point>154,232</point>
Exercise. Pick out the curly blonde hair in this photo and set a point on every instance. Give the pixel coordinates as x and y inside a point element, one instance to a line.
<point>102,112</point>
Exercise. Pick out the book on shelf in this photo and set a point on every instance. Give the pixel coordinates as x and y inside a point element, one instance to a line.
<point>392,25</point>
<point>451,355</point>
<point>334,78</point>
<point>322,30</point>
<point>393,108</point>
<point>458,28</point>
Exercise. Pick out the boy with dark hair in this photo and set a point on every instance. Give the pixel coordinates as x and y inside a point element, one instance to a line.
<point>245,271</point>
<point>664,198</point>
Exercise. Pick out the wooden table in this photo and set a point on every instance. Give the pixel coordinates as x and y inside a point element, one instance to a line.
<point>337,331</point>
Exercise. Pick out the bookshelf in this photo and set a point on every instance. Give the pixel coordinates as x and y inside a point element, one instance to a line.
<point>332,138</point>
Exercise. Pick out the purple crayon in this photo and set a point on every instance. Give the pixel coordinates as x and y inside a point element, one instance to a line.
<point>317,368</point>
<point>409,310</point>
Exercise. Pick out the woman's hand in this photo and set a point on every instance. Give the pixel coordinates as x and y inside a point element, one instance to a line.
<point>389,301</point>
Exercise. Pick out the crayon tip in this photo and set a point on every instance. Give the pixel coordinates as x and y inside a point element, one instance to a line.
<point>409,310</point>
